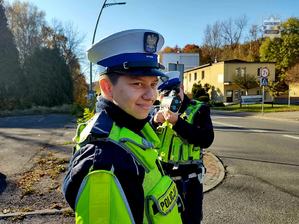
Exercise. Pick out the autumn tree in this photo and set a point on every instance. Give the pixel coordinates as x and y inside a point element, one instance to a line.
<point>175,49</point>
<point>26,23</point>
<point>254,42</point>
<point>292,74</point>
<point>67,40</point>
<point>211,49</point>
<point>284,51</point>
<point>232,31</point>
<point>191,48</point>
<point>35,40</point>
<point>49,78</point>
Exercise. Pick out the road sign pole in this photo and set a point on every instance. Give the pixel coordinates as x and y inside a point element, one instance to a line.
<point>263,100</point>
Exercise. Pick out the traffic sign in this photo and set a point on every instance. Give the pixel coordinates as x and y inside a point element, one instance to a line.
<point>265,72</point>
<point>264,81</point>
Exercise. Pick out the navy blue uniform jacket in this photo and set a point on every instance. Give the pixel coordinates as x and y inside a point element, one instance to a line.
<point>104,155</point>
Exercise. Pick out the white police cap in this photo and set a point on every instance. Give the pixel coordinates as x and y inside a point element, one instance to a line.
<point>172,80</point>
<point>129,52</point>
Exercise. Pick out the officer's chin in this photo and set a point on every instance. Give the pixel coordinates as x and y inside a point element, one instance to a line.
<point>141,116</point>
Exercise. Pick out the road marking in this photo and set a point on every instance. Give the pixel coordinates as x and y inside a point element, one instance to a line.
<point>225,117</point>
<point>245,129</point>
<point>291,136</point>
<point>252,130</point>
<point>229,125</point>
<point>260,131</point>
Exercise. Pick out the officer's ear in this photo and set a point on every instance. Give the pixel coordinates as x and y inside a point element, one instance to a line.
<point>106,87</point>
<point>182,86</point>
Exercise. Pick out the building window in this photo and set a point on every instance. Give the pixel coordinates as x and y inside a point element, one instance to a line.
<point>258,71</point>
<point>229,96</point>
<point>258,92</point>
<point>238,71</point>
<point>243,72</point>
<point>202,74</point>
<point>190,77</point>
<point>237,94</point>
<point>195,76</point>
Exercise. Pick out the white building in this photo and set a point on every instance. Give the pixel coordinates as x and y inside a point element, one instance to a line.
<point>179,61</point>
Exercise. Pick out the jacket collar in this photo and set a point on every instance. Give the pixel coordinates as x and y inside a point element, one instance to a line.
<point>120,117</point>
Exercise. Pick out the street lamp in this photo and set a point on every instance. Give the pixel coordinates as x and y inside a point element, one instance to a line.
<point>94,34</point>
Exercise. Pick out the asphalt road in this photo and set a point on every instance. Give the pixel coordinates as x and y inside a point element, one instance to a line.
<point>23,140</point>
<point>261,159</point>
<point>21,137</point>
<point>262,163</point>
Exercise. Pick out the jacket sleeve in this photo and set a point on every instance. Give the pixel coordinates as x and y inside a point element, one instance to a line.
<point>114,164</point>
<point>201,132</point>
<point>101,199</point>
<point>78,168</point>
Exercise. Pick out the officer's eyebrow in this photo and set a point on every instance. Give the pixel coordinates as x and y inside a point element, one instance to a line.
<point>141,78</point>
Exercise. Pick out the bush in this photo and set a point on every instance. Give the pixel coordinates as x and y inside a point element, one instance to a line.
<point>77,110</point>
<point>217,104</point>
<point>203,98</point>
<point>87,115</point>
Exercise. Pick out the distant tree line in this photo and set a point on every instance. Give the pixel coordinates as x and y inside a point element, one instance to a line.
<point>230,39</point>
<point>39,63</point>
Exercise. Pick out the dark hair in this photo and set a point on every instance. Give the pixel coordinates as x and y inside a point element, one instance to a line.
<point>113,77</point>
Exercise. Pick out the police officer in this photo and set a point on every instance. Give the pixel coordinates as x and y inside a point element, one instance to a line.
<point>184,134</point>
<point>114,175</point>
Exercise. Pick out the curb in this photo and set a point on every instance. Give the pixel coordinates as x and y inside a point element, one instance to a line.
<point>36,212</point>
<point>210,182</point>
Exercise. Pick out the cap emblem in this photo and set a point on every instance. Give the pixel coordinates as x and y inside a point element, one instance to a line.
<point>150,42</point>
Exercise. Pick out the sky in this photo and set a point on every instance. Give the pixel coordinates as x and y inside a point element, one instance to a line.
<point>181,22</point>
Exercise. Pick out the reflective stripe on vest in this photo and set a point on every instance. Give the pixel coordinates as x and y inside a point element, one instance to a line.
<point>173,149</point>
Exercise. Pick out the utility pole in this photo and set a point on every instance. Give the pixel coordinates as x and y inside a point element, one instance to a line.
<point>94,35</point>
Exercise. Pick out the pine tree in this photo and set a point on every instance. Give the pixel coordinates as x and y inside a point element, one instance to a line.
<point>10,73</point>
<point>49,78</point>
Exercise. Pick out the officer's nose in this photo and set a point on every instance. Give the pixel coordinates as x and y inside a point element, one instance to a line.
<point>150,93</point>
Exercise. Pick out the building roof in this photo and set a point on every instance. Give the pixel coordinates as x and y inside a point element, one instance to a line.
<point>229,61</point>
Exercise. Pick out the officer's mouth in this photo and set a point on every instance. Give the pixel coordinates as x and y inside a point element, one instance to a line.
<point>145,106</point>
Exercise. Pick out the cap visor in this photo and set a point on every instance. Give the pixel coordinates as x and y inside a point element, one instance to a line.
<point>141,72</point>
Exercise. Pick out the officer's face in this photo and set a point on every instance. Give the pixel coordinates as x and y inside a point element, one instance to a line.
<point>135,94</point>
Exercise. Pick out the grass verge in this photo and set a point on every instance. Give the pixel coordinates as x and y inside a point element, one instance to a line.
<point>258,108</point>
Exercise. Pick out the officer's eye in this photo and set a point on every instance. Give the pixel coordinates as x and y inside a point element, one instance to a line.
<point>154,85</point>
<point>137,84</point>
